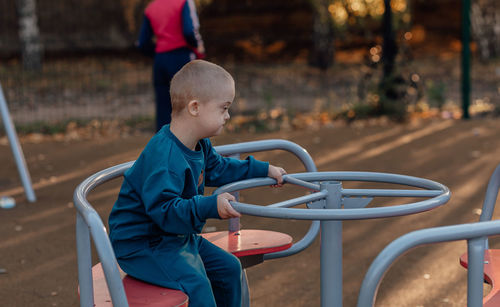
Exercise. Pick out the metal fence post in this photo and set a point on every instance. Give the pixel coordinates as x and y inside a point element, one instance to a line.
<point>465,58</point>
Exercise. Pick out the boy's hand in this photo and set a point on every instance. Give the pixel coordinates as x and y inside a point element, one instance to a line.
<point>224,208</point>
<point>276,173</point>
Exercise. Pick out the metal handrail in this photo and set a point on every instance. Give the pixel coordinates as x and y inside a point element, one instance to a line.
<point>307,161</point>
<point>475,233</point>
<point>89,224</point>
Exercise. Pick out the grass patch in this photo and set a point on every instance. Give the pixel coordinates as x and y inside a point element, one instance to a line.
<point>49,128</point>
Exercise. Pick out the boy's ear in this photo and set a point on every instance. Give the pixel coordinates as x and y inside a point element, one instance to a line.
<point>193,107</point>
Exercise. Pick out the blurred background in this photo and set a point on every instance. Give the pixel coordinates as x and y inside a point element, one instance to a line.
<point>335,76</point>
<point>295,62</point>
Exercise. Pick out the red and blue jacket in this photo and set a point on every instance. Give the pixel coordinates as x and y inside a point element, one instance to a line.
<point>175,25</point>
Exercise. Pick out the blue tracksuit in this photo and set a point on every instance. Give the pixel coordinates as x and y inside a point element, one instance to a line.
<point>155,223</point>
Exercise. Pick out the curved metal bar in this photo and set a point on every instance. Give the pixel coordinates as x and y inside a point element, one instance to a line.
<point>245,184</point>
<point>372,177</point>
<point>346,214</point>
<point>396,248</point>
<point>491,195</point>
<point>341,214</point>
<point>342,176</point>
<point>81,192</point>
<point>390,193</point>
<point>490,198</point>
<point>273,144</point>
<point>300,200</point>
<point>92,225</point>
<point>304,157</point>
<point>305,184</point>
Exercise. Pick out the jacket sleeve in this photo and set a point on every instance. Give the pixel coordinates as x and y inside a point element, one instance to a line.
<point>191,28</point>
<point>145,42</point>
<point>163,201</point>
<point>222,170</point>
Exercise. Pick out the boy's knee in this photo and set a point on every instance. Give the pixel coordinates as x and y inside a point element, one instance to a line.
<point>234,267</point>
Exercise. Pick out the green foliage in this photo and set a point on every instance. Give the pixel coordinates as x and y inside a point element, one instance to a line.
<point>48,128</point>
<point>357,111</point>
<point>393,100</point>
<point>144,123</point>
<point>268,99</point>
<point>379,96</point>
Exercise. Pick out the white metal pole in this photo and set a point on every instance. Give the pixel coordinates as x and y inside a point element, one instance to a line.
<point>16,148</point>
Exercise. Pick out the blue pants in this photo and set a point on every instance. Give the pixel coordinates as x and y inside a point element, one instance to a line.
<point>166,65</point>
<point>207,274</point>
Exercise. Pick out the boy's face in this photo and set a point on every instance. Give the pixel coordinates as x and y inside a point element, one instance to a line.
<point>215,112</point>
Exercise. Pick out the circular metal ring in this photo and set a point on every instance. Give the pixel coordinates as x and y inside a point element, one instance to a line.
<point>439,194</point>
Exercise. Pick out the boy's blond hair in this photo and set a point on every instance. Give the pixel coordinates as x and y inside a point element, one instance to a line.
<point>197,80</point>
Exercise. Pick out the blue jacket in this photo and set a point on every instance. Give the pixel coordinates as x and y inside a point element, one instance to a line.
<point>162,193</point>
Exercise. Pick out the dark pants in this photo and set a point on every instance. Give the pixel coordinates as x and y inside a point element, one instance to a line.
<point>209,275</point>
<point>166,65</point>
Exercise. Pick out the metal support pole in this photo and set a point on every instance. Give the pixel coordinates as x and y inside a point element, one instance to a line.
<point>234,222</point>
<point>84,255</point>
<point>16,148</point>
<point>465,58</point>
<point>331,249</point>
<point>234,226</point>
<point>475,255</point>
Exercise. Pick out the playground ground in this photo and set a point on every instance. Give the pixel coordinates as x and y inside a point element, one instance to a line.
<point>37,239</point>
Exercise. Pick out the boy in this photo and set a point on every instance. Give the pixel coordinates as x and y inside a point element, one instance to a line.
<point>160,211</point>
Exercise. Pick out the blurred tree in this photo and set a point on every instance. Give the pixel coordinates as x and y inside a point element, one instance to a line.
<point>392,87</point>
<point>29,35</point>
<point>485,24</point>
<point>322,52</point>
<point>389,47</point>
<point>132,13</point>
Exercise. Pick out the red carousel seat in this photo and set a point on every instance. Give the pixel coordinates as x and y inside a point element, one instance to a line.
<point>248,244</point>
<point>491,275</point>
<point>138,293</point>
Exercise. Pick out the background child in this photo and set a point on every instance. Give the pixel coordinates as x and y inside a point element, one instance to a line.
<point>170,32</point>
<point>160,211</point>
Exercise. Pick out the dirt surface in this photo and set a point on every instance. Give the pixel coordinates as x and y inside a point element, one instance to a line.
<point>38,239</point>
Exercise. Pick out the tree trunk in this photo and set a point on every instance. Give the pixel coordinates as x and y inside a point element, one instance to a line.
<point>389,47</point>
<point>485,24</point>
<point>392,86</point>
<point>322,52</point>
<point>29,35</point>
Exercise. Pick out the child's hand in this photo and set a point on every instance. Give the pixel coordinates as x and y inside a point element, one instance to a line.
<point>224,208</point>
<point>276,173</point>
